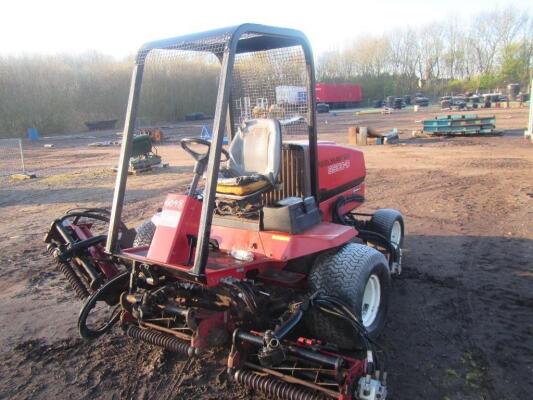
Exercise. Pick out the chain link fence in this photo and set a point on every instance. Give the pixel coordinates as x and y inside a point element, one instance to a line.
<point>11,157</point>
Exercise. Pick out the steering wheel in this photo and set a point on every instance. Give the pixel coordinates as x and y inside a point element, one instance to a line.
<point>186,142</point>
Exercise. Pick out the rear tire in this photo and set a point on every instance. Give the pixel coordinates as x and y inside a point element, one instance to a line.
<point>389,223</point>
<point>346,273</point>
<point>145,234</point>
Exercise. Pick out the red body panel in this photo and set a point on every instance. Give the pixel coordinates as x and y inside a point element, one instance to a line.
<point>338,93</point>
<point>179,218</point>
<point>339,168</point>
<point>341,171</point>
<point>270,249</point>
<point>279,246</point>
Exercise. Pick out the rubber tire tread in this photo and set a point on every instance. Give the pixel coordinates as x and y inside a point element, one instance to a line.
<point>145,234</point>
<point>344,273</point>
<point>382,221</point>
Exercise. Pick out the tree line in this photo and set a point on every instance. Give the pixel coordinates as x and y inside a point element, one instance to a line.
<point>483,53</point>
<point>59,93</point>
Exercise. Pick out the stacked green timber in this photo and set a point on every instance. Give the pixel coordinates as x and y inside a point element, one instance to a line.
<point>460,124</point>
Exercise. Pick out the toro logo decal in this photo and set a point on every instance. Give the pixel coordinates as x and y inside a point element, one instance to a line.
<point>174,204</point>
<point>336,164</point>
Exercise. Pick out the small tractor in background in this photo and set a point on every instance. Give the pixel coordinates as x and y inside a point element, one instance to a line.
<point>143,155</point>
<point>269,256</point>
<point>156,134</point>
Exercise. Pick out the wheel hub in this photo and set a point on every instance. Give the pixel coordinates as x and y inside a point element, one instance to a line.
<point>371,300</point>
<point>396,233</point>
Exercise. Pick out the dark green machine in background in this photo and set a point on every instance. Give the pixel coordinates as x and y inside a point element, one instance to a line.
<point>143,158</point>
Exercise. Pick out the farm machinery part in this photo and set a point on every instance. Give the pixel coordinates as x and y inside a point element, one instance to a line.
<point>79,253</point>
<point>302,368</point>
<point>156,134</point>
<point>188,318</point>
<point>268,255</point>
<point>144,156</point>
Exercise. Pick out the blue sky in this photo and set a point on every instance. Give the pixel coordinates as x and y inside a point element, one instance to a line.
<point>120,27</point>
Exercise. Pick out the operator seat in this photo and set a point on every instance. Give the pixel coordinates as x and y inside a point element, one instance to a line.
<point>255,158</point>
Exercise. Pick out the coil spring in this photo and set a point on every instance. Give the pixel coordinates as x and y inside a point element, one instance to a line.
<point>160,339</point>
<point>274,387</point>
<point>73,279</point>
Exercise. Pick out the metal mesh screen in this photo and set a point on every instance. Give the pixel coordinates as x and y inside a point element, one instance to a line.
<point>11,157</point>
<point>208,44</point>
<point>271,84</point>
<point>179,81</point>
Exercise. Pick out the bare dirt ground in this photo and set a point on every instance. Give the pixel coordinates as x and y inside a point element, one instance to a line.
<point>461,319</point>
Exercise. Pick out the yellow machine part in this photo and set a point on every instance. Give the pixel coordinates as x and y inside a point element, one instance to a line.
<point>241,190</point>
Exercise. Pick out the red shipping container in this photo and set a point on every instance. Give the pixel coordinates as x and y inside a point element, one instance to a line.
<point>335,93</point>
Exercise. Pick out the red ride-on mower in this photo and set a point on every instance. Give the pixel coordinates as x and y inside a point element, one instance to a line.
<point>269,255</point>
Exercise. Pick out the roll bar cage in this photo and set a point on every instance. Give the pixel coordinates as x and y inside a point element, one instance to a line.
<point>238,39</point>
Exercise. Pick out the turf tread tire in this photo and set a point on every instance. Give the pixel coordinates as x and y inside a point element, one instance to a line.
<point>145,234</point>
<point>382,221</point>
<point>344,273</point>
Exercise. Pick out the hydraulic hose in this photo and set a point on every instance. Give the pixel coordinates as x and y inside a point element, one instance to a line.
<point>99,214</point>
<point>338,308</point>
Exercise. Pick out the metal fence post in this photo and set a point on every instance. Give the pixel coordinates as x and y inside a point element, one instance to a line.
<point>22,157</point>
<point>11,157</point>
<point>529,131</point>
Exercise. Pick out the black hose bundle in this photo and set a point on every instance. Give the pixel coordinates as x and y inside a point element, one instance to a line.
<point>341,201</point>
<point>338,308</point>
<point>109,293</point>
<point>100,214</point>
<point>247,295</point>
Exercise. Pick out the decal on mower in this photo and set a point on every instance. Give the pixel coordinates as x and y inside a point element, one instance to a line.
<point>171,213</point>
<point>170,218</point>
<point>336,164</point>
<point>332,169</point>
<point>174,204</point>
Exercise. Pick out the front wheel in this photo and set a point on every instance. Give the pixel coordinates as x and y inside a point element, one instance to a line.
<point>145,234</point>
<point>359,275</point>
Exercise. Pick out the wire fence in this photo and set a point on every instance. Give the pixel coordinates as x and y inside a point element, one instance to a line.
<point>11,157</point>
